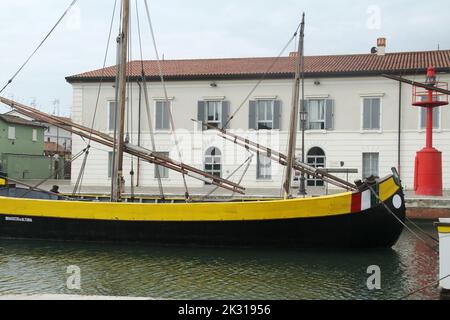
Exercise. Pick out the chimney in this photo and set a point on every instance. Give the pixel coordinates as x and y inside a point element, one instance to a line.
<point>381,46</point>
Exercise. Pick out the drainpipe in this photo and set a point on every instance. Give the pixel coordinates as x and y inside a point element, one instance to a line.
<point>399,126</point>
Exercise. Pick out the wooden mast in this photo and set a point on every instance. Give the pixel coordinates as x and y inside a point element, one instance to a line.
<point>295,113</point>
<point>122,75</point>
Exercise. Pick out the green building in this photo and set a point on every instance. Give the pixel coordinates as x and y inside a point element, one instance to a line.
<point>22,149</point>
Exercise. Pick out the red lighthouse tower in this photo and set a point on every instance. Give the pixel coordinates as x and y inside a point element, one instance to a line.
<point>428,170</point>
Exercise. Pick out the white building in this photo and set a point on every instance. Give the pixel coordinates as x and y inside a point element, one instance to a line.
<point>61,137</point>
<point>356,118</point>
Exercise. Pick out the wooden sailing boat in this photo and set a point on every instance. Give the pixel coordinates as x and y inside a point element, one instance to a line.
<point>368,215</point>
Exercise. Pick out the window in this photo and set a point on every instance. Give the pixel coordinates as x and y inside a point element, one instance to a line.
<point>213,162</point>
<point>370,165</point>
<point>110,164</point>
<point>162,115</point>
<point>34,135</point>
<point>436,118</point>
<point>112,107</point>
<point>264,168</point>
<point>316,114</point>
<point>372,114</point>
<point>214,113</point>
<point>163,171</point>
<point>316,159</point>
<point>264,113</point>
<point>12,133</point>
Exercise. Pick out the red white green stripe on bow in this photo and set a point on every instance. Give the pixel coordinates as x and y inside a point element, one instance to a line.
<point>365,200</point>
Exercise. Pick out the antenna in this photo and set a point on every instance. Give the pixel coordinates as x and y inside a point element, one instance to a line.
<point>32,103</point>
<point>56,104</point>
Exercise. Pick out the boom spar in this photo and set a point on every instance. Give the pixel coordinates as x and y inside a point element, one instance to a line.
<point>281,158</point>
<point>108,141</point>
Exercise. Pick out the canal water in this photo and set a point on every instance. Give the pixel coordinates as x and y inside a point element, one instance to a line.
<point>36,267</point>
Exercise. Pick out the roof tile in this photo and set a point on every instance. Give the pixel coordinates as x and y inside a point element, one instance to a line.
<point>19,121</point>
<point>251,67</point>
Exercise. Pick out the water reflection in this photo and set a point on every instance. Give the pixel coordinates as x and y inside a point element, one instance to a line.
<point>28,267</point>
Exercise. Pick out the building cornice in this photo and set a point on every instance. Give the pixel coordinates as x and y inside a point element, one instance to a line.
<point>314,75</point>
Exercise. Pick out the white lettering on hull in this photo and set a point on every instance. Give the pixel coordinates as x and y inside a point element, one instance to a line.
<point>17,219</point>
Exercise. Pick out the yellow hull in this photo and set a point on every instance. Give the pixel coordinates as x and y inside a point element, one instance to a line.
<point>325,206</point>
<point>348,220</point>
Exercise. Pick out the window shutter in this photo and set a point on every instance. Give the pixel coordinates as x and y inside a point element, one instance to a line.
<point>252,116</point>
<point>112,112</point>
<point>225,114</point>
<point>201,112</point>
<point>303,107</point>
<point>277,115</point>
<point>329,114</point>
<point>159,125</point>
<point>11,133</point>
<point>376,121</point>
<point>166,112</point>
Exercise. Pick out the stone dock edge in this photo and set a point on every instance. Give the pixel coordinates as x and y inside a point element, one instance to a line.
<point>427,208</point>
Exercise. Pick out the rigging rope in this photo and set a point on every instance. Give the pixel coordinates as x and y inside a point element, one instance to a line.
<point>166,96</point>
<point>79,182</point>
<point>245,171</point>
<point>263,76</point>
<point>80,178</point>
<point>248,162</point>
<point>130,130</point>
<point>51,176</point>
<point>31,188</point>
<point>147,105</point>
<point>425,287</point>
<point>421,230</point>
<point>434,249</point>
<point>102,76</point>
<point>399,220</point>
<point>39,46</point>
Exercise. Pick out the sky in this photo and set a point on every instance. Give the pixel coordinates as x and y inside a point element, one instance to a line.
<point>199,29</point>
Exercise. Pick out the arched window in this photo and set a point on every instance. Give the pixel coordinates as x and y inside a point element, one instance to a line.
<point>213,162</point>
<point>316,158</point>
